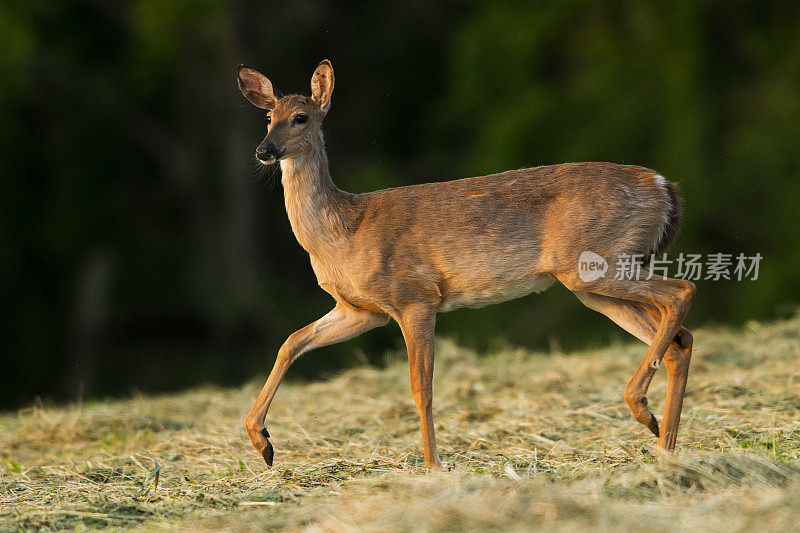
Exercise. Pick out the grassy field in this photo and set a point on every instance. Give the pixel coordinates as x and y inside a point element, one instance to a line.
<point>531,440</point>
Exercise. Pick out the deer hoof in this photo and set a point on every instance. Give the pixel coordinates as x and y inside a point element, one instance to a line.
<point>653,425</point>
<point>268,453</point>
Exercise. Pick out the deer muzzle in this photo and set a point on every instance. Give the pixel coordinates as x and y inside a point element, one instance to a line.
<point>267,152</point>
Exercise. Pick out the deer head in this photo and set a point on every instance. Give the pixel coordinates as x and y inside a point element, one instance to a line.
<point>293,121</point>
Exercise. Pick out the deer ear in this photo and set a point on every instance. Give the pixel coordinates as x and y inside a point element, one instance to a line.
<point>322,85</point>
<point>257,88</point>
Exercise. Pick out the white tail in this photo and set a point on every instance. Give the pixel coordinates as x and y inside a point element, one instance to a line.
<point>410,252</point>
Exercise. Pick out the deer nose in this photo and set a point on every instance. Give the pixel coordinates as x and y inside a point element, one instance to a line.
<point>266,152</point>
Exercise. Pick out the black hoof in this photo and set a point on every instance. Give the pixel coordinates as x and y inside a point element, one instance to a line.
<point>268,453</point>
<point>653,425</point>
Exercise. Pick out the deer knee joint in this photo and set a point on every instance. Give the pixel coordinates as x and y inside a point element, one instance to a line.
<point>680,353</point>
<point>252,425</point>
<point>287,353</point>
<point>422,398</point>
<point>635,398</point>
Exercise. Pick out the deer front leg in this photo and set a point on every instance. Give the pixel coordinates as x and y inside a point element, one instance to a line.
<point>342,323</point>
<point>418,324</point>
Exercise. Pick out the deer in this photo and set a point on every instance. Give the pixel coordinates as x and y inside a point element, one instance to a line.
<point>408,253</point>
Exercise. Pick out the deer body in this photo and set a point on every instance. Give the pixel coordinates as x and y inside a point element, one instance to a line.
<point>473,241</point>
<point>411,252</point>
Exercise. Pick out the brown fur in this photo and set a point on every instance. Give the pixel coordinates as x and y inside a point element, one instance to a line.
<point>410,252</point>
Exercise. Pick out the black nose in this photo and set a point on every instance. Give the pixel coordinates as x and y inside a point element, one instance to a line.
<point>266,151</point>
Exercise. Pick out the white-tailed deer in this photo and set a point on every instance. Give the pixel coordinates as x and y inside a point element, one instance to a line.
<point>408,253</point>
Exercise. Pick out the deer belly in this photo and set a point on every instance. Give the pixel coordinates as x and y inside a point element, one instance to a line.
<point>457,295</point>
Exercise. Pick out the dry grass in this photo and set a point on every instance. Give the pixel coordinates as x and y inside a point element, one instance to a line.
<point>533,440</point>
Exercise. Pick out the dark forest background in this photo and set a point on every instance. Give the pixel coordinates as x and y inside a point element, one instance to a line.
<point>142,247</point>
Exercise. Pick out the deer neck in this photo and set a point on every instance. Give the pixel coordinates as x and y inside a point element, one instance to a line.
<point>315,206</point>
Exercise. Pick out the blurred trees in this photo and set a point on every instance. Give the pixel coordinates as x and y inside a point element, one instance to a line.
<point>143,247</point>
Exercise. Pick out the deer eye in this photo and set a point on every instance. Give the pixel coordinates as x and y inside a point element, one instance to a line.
<point>300,118</point>
<point>269,120</point>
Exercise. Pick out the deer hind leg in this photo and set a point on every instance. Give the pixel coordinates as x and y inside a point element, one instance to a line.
<point>418,324</point>
<point>340,324</point>
<point>643,321</point>
<point>676,362</point>
<point>672,298</point>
